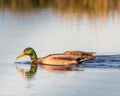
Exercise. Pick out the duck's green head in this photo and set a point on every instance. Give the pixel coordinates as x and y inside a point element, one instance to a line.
<point>30,52</point>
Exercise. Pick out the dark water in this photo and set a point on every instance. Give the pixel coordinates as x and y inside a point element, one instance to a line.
<point>51,26</point>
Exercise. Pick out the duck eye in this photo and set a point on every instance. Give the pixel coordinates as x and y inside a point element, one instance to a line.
<point>31,54</point>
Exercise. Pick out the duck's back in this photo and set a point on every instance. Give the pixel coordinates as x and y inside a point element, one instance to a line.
<point>81,54</point>
<point>58,59</point>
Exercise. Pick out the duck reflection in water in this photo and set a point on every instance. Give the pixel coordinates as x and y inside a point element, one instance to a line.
<point>29,74</point>
<point>60,68</point>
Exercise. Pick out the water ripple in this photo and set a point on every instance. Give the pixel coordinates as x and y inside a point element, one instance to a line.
<point>104,61</point>
<point>23,62</point>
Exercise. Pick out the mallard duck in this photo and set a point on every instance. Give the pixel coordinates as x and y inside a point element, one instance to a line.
<point>52,59</point>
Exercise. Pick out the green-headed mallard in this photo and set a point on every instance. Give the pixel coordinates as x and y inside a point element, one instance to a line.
<point>53,59</point>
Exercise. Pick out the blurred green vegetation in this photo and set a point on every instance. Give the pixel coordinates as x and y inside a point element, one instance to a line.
<point>91,7</point>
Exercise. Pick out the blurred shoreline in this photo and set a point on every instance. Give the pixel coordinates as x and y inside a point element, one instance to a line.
<point>93,8</point>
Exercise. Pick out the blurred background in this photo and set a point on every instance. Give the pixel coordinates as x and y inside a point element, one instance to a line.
<point>55,26</point>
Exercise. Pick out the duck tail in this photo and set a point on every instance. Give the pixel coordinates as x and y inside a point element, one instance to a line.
<point>79,60</point>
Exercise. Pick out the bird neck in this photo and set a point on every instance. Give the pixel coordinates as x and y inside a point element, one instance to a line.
<point>33,56</point>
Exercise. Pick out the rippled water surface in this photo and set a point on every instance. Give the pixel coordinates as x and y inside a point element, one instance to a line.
<point>56,28</point>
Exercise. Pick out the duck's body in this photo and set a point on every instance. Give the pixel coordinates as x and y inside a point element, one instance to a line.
<point>55,59</point>
<point>58,59</point>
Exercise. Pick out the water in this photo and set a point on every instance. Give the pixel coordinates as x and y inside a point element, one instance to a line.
<point>95,81</point>
<point>51,30</point>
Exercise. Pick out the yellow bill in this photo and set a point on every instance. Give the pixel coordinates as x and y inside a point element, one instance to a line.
<point>21,55</point>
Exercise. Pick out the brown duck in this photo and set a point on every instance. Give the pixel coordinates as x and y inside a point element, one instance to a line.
<point>68,58</point>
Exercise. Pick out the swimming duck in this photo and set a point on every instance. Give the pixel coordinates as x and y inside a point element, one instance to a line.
<point>52,59</point>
